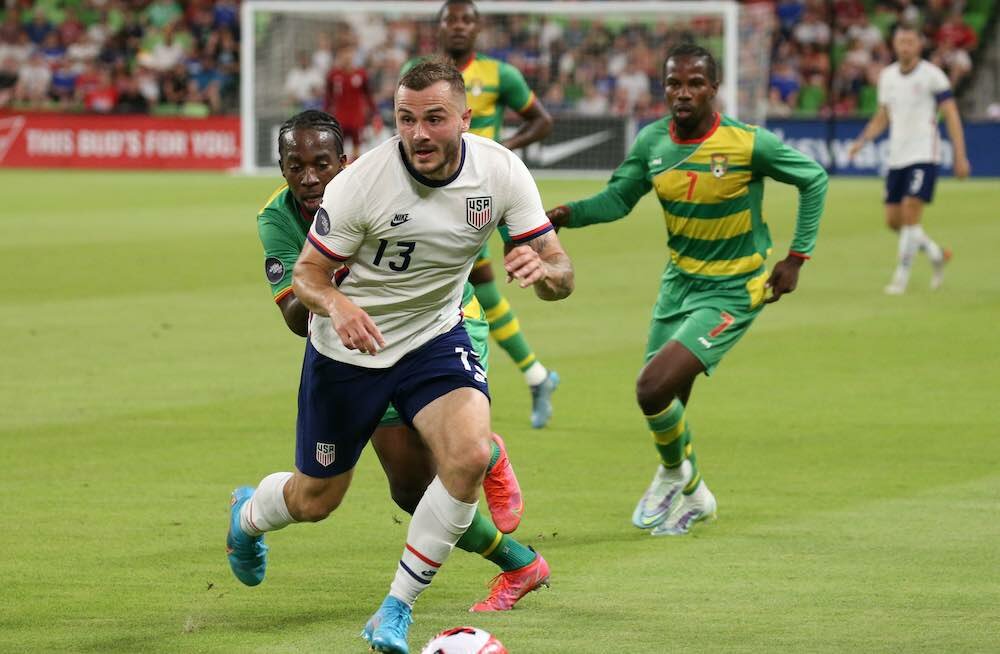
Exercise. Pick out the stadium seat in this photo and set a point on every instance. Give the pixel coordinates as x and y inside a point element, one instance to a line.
<point>164,110</point>
<point>867,100</point>
<point>977,21</point>
<point>811,100</point>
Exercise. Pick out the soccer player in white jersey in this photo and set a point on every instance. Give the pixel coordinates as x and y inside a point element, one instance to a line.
<point>910,93</point>
<point>382,273</point>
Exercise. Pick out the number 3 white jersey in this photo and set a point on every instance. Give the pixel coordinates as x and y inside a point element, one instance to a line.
<point>912,101</point>
<point>408,242</point>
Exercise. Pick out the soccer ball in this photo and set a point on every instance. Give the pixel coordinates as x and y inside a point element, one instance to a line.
<point>464,640</point>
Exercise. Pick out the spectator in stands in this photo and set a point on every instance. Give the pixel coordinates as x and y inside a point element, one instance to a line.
<point>102,96</point>
<point>162,13</point>
<point>956,62</point>
<point>130,97</point>
<point>866,33</point>
<point>207,82</point>
<point>174,85</point>
<point>593,102</point>
<point>304,85</point>
<point>812,31</point>
<point>168,51</point>
<point>227,15</point>
<point>954,33</point>
<point>39,27</point>
<point>632,83</point>
<point>70,29</point>
<point>62,87</point>
<point>10,28</point>
<point>33,82</point>
<point>51,49</point>
<point>8,80</point>
<point>783,96</point>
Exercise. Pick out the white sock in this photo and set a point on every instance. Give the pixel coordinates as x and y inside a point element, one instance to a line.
<point>437,524</point>
<point>535,374</point>
<point>266,510</point>
<point>681,473</point>
<point>933,250</point>
<point>909,243</point>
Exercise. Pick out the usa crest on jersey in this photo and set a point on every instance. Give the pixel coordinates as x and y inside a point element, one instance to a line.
<point>479,211</point>
<point>720,164</point>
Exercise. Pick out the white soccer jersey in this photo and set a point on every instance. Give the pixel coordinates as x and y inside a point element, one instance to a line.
<point>912,101</point>
<point>409,242</point>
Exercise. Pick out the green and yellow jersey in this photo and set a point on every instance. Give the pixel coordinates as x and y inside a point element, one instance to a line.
<point>282,226</point>
<point>711,190</point>
<point>491,86</point>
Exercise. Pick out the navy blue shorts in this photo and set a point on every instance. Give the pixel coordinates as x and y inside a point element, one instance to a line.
<point>340,405</point>
<point>914,181</point>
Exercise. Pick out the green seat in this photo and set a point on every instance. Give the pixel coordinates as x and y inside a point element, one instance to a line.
<point>977,21</point>
<point>979,6</point>
<point>195,110</point>
<point>811,100</point>
<point>867,100</point>
<point>164,110</point>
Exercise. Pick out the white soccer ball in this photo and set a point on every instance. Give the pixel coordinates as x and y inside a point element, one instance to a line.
<point>464,640</point>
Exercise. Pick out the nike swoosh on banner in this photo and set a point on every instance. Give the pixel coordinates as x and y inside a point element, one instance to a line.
<point>547,155</point>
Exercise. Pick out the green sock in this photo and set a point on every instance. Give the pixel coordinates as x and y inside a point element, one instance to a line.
<point>504,325</point>
<point>670,434</point>
<point>693,458</point>
<point>494,455</point>
<point>483,538</point>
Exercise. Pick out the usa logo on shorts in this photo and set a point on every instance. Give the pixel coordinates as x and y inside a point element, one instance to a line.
<point>325,453</point>
<point>479,211</point>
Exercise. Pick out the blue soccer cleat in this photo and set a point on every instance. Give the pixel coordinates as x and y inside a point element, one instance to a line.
<point>541,400</point>
<point>247,554</point>
<point>386,631</point>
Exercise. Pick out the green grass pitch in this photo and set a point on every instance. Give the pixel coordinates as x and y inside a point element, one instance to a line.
<point>852,440</point>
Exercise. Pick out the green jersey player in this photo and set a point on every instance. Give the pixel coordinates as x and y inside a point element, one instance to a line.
<point>708,171</point>
<point>310,147</point>
<point>491,87</point>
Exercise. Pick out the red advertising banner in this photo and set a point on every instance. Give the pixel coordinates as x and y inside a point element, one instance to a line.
<point>67,141</point>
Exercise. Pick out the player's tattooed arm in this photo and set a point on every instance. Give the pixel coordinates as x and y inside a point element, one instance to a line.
<point>543,263</point>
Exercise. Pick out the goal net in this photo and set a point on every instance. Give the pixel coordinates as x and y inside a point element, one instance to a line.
<point>595,66</point>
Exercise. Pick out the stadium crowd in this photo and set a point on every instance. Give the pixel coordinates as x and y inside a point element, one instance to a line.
<point>173,57</point>
<point>120,56</point>
<point>827,62</point>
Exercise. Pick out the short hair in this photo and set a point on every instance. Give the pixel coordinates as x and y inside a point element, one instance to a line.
<point>433,70</point>
<point>695,51</point>
<point>315,120</point>
<point>449,3</point>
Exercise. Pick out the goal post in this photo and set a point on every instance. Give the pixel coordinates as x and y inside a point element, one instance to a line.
<point>273,31</point>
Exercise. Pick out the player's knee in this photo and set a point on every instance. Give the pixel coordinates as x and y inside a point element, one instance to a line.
<point>406,497</point>
<point>652,394</point>
<point>471,462</point>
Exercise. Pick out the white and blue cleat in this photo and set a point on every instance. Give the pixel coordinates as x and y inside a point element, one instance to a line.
<point>247,554</point>
<point>541,400</point>
<point>698,506</point>
<point>661,497</point>
<point>387,630</point>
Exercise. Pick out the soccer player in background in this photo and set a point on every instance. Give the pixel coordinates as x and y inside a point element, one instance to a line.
<point>910,93</point>
<point>708,171</point>
<point>310,148</point>
<point>349,98</point>
<point>383,274</point>
<point>491,87</point>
